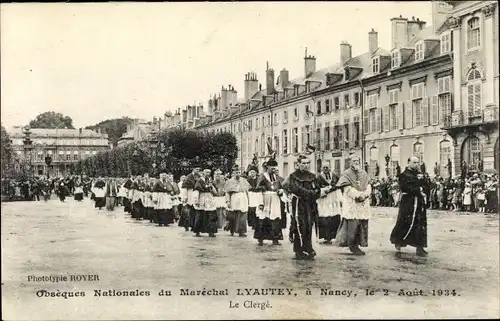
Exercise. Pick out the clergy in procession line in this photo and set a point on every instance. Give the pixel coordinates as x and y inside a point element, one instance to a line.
<point>356,210</point>
<point>111,193</point>
<point>305,190</point>
<point>148,200</point>
<point>137,206</point>
<point>283,201</point>
<point>206,216</point>
<point>329,209</point>
<point>176,200</point>
<point>126,199</point>
<point>188,184</point>
<point>411,225</point>
<point>63,192</point>
<point>183,210</point>
<point>87,184</point>
<point>254,195</point>
<point>236,189</point>
<point>220,198</point>
<point>99,193</point>
<point>122,193</point>
<point>78,190</point>
<point>162,197</point>
<point>268,224</point>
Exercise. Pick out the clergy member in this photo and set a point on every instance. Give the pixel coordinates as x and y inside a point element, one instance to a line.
<point>411,225</point>
<point>189,186</point>
<point>162,197</point>
<point>220,198</point>
<point>203,194</point>
<point>328,206</point>
<point>236,189</point>
<point>356,210</point>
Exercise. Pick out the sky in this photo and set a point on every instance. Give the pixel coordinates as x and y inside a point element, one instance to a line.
<point>96,61</point>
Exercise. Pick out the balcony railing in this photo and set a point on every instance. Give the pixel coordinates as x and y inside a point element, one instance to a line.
<point>460,118</point>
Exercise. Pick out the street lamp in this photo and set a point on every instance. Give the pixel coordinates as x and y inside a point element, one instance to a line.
<point>48,161</point>
<point>28,147</point>
<point>387,158</point>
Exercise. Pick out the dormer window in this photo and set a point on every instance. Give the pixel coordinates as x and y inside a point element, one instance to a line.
<point>445,42</point>
<point>419,51</point>
<point>376,65</point>
<point>395,61</point>
<point>346,74</point>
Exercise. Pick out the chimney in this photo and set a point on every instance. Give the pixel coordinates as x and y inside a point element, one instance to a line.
<point>251,85</point>
<point>414,26</point>
<point>399,32</point>
<point>284,81</point>
<point>372,41</point>
<point>269,80</point>
<point>200,112</point>
<point>345,52</point>
<point>441,10</point>
<point>223,104</point>
<point>309,65</point>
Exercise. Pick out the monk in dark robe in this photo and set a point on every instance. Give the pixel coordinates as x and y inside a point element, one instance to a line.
<point>305,190</point>
<point>411,225</point>
<point>188,184</point>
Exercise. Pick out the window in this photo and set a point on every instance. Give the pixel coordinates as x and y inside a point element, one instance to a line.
<point>75,155</point>
<point>337,166</point>
<point>318,108</point>
<point>356,99</point>
<point>336,102</point>
<point>346,133</point>
<point>285,116</point>
<point>318,137</point>
<point>395,59</point>
<point>444,156</point>
<point>394,160</point>
<point>373,160</point>
<point>285,169</point>
<point>473,151</point>
<point>419,51</point>
<point>295,142</point>
<point>263,144</point>
<point>295,113</point>
<point>250,125</point>
<point>327,136</point>
<point>356,131</point>
<point>418,151</point>
<point>256,146</point>
<point>307,111</point>
<point>285,141</point>
<point>445,43</point>
<point>474,93</point>
<point>68,155</point>
<point>336,134</point>
<point>376,65</point>
<point>473,34</point>
<point>372,101</point>
<point>393,109</point>
<point>276,146</point>
<point>327,105</point>
<point>257,123</point>
<point>268,120</point>
<point>442,105</point>
<point>417,95</point>
<point>346,100</point>
<point>276,118</point>
<point>308,135</point>
<point>372,125</point>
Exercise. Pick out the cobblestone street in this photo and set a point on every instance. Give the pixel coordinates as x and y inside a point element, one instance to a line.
<point>54,238</point>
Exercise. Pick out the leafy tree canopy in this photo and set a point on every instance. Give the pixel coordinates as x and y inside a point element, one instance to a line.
<point>6,149</point>
<point>51,119</point>
<point>115,128</point>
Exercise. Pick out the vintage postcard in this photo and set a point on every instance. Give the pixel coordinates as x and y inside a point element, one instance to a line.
<point>250,160</point>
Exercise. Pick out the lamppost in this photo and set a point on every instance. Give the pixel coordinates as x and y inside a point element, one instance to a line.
<point>387,158</point>
<point>48,161</point>
<point>28,147</point>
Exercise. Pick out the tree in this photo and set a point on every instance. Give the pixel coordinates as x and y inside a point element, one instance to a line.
<point>6,156</point>
<point>115,128</point>
<point>51,119</point>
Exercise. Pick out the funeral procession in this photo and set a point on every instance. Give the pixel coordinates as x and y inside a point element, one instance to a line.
<point>368,186</point>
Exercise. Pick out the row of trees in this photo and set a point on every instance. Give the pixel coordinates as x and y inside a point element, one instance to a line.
<point>171,150</point>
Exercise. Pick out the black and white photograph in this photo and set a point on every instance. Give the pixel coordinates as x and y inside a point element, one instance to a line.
<point>250,160</point>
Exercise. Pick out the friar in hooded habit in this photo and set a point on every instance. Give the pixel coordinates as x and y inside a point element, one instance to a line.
<point>206,216</point>
<point>356,210</point>
<point>268,223</point>
<point>411,224</point>
<point>188,184</point>
<point>304,191</point>
<point>329,206</point>
<point>99,193</point>
<point>162,197</point>
<point>126,199</point>
<point>236,189</point>
<point>220,198</point>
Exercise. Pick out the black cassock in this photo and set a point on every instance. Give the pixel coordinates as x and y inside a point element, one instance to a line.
<point>411,225</point>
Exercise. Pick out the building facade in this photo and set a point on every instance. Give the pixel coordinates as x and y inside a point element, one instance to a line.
<point>384,105</point>
<point>64,146</point>
<point>472,32</point>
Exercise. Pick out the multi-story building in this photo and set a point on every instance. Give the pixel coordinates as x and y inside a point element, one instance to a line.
<point>385,105</point>
<point>64,146</point>
<point>471,34</point>
<point>139,130</point>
